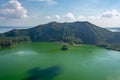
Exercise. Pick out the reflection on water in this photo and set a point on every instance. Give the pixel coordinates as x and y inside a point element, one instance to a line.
<point>43,74</point>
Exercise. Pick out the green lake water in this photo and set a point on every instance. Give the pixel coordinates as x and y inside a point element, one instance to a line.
<point>45,61</point>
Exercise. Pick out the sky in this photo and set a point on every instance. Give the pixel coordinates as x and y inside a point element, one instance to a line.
<point>104,13</point>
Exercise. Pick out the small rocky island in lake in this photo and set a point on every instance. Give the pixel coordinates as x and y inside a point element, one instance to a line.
<point>64,47</point>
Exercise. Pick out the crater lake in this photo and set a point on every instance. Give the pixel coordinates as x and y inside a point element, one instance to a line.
<point>45,61</point>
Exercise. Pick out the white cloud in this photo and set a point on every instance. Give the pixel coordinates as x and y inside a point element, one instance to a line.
<point>48,17</point>
<point>108,18</point>
<point>81,18</point>
<point>94,17</point>
<point>111,14</point>
<point>13,10</point>
<point>107,14</point>
<point>47,1</point>
<point>57,17</point>
<point>70,16</point>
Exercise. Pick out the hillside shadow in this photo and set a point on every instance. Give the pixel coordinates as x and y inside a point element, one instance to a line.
<point>43,74</point>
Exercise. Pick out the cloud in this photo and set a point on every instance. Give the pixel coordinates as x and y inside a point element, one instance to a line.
<point>70,16</point>
<point>94,17</point>
<point>107,18</point>
<point>107,14</point>
<point>57,17</point>
<point>111,14</point>
<point>82,18</point>
<point>48,17</point>
<point>47,1</point>
<point>13,10</point>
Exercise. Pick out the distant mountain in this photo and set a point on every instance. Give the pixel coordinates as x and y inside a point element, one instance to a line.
<point>8,28</point>
<point>114,29</point>
<point>76,32</point>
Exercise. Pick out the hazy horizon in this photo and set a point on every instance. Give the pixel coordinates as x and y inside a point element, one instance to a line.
<point>8,28</point>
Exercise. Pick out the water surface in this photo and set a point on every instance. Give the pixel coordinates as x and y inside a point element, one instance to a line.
<point>45,61</point>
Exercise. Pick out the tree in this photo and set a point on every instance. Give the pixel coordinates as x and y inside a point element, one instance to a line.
<point>64,47</point>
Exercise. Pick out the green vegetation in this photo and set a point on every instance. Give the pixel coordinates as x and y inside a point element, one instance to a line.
<point>64,47</point>
<point>11,41</point>
<point>73,33</point>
